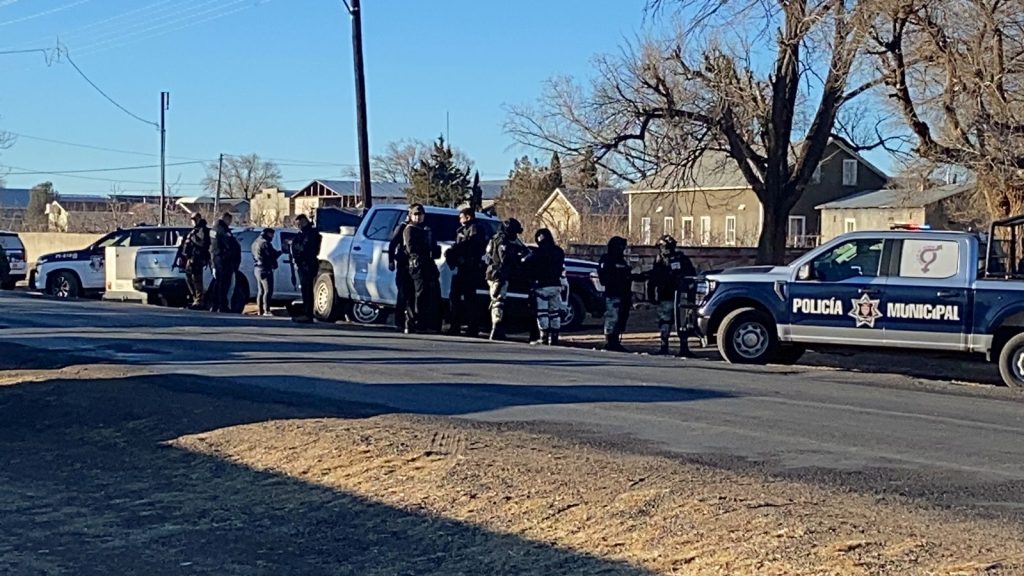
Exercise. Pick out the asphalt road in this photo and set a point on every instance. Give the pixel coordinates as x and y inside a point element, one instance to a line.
<point>945,445</point>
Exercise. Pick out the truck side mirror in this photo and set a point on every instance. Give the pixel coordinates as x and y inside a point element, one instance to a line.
<point>805,273</point>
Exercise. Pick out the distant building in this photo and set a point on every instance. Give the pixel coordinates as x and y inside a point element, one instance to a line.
<point>580,215</point>
<point>88,213</point>
<point>939,207</point>
<point>715,205</point>
<point>346,194</point>
<point>273,207</point>
<point>212,210</point>
<point>13,204</point>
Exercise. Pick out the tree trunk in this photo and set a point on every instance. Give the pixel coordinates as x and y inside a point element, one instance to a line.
<point>771,246</point>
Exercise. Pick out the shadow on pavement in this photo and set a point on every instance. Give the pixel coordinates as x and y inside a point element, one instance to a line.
<point>91,487</point>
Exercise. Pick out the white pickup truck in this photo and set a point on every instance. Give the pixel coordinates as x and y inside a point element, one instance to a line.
<point>354,278</point>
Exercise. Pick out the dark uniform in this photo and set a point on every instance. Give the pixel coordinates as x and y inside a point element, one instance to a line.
<point>5,267</point>
<point>305,253</point>
<point>398,262</point>
<point>466,258</point>
<point>426,279</point>
<point>616,275</point>
<point>193,258</point>
<point>227,258</point>
<point>505,253</point>
<point>671,283</point>
<point>546,267</point>
<point>264,257</point>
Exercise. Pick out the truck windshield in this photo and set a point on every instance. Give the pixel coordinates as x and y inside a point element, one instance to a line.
<point>119,238</point>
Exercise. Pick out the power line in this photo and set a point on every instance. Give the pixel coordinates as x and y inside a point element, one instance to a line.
<point>154,18</point>
<point>91,170</point>
<point>115,180</point>
<point>43,13</point>
<point>104,94</point>
<point>101,148</point>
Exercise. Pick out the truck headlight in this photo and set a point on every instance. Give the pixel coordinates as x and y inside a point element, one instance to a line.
<point>705,287</point>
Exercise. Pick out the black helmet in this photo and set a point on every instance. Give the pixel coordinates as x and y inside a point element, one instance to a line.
<point>512,226</point>
<point>544,236</point>
<point>666,243</point>
<point>617,245</point>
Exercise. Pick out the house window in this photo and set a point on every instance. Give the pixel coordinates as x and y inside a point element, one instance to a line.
<point>849,172</point>
<point>687,230</point>
<point>669,226</point>
<point>730,230</point>
<point>645,231</point>
<point>816,175</point>
<point>850,225</point>
<point>797,230</point>
<point>705,230</point>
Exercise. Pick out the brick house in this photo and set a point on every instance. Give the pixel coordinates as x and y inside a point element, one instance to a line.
<point>714,205</point>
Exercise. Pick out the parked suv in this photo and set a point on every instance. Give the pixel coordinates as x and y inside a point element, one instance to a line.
<point>82,272</point>
<point>15,251</point>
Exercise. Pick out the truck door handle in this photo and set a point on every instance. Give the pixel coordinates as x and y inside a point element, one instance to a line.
<point>868,291</point>
<point>948,293</point>
<point>357,248</point>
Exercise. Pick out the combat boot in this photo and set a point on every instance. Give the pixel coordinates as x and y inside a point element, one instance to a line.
<point>663,350</point>
<point>553,339</point>
<point>684,347</point>
<point>497,332</point>
<point>613,343</point>
<point>544,339</point>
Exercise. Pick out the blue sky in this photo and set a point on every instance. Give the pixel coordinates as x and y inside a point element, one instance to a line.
<point>274,77</point>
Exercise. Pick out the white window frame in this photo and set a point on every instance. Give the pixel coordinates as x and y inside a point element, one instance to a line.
<point>849,225</point>
<point>850,172</point>
<point>668,226</point>
<point>816,175</point>
<point>645,231</point>
<point>730,230</point>
<point>705,230</point>
<point>686,238</point>
<point>796,239</point>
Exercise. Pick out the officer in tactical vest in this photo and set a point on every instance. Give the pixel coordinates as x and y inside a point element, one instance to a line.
<point>398,262</point>
<point>616,275</point>
<point>671,283</point>
<point>419,243</point>
<point>505,253</point>
<point>226,253</point>
<point>546,266</point>
<point>5,267</point>
<point>305,253</point>
<point>465,258</point>
<point>193,257</point>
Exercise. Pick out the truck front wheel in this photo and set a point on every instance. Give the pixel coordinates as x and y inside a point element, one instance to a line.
<point>1011,362</point>
<point>747,336</point>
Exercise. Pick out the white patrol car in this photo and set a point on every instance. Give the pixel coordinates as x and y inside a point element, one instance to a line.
<point>82,272</point>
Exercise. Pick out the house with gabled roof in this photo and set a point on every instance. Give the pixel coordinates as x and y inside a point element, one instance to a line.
<point>581,215</point>
<point>714,205</point>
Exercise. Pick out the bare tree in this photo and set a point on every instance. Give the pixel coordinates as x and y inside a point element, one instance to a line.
<point>954,70</point>
<point>658,108</point>
<point>243,176</point>
<point>6,141</point>
<point>400,159</point>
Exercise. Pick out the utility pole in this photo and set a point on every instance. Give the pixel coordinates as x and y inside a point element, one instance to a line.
<point>216,198</point>
<point>165,103</point>
<point>364,139</point>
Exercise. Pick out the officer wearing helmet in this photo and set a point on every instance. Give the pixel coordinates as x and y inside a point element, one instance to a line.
<point>505,253</point>
<point>546,266</point>
<point>671,284</point>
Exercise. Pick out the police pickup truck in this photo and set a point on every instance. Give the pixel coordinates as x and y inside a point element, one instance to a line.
<point>957,292</point>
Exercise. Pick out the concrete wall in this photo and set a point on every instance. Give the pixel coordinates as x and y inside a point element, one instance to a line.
<point>703,257</point>
<point>39,243</point>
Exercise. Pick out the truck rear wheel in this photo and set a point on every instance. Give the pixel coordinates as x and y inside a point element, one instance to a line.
<point>1011,362</point>
<point>325,300</point>
<point>748,336</point>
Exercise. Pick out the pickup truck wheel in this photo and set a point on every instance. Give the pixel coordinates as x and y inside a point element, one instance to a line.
<point>325,301</point>
<point>64,285</point>
<point>747,336</point>
<point>789,354</point>
<point>1011,362</point>
<point>365,313</point>
<point>575,313</point>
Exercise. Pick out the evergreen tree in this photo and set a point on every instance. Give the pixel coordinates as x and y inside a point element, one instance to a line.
<point>35,212</point>
<point>587,174</point>
<point>438,180</point>
<point>476,201</point>
<point>554,176</point>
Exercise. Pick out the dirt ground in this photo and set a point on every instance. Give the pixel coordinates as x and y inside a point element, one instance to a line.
<point>109,470</point>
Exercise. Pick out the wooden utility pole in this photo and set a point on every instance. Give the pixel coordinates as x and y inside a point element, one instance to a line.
<point>165,103</point>
<point>361,128</point>
<point>216,198</point>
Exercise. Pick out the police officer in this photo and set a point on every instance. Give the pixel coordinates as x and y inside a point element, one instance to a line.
<point>426,279</point>
<point>193,258</point>
<point>398,262</point>
<point>505,252</point>
<point>227,258</point>
<point>671,283</point>
<point>305,253</point>
<point>616,275</point>
<point>264,257</point>
<point>465,257</point>
<point>5,267</point>
<point>546,265</point>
